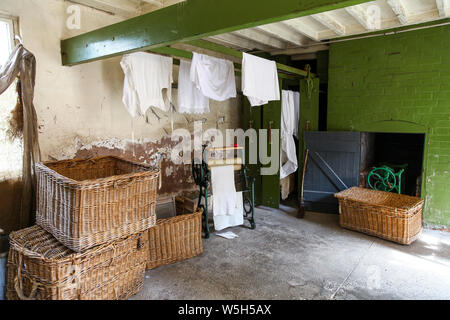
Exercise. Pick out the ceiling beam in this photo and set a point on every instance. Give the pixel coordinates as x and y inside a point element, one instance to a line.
<point>190,20</point>
<point>297,51</point>
<point>119,7</point>
<point>360,14</point>
<point>303,28</point>
<point>261,37</point>
<point>399,10</point>
<point>306,56</point>
<point>285,33</point>
<point>444,8</point>
<point>158,3</point>
<point>330,23</point>
<point>239,42</point>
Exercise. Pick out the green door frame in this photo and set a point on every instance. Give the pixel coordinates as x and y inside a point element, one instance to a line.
<point>309,112</point>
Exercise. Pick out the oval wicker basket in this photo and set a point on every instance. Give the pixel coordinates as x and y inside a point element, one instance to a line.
<point>85,203</point>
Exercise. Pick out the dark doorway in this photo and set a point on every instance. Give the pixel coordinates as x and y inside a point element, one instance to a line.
<point>397,151</point>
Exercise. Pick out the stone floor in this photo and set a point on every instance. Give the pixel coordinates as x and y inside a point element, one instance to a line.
<point>288,258</point>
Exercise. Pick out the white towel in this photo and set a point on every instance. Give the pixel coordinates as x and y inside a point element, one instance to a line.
<point>297,113</point>
<point>214,77</point>
<point>148,82</point>
<point>259,80</point>
<point>236,218</point>
<point>224,190</point>
<point>289,152</point>
<point>190,98</point>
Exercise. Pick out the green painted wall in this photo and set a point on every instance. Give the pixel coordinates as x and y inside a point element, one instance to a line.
<point>399,83</point>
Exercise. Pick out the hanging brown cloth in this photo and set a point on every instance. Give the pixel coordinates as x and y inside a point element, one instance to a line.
<point>22,62</point>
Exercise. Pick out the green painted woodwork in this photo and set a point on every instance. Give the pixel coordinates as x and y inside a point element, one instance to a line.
<point>188,55</point>
<point>187,21</point>
<point>252,118</point>
<point>309,112</point>
<point>399,83</point>
<point>322,66</point>
<point>271,184</point>
<point>237,54</point>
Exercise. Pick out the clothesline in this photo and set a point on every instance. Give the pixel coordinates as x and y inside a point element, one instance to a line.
<point>148,80</point>
<point>179,53</point>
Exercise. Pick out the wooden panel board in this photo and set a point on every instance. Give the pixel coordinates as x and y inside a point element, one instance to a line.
<point>333,166</point>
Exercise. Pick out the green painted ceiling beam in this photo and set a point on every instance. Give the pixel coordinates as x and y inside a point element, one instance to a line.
<point>187,21</point>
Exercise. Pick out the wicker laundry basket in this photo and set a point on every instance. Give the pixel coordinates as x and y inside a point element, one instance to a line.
<point>175,239</point>
<point>390,216</point>
<point>41,268</point>
<point>85,203</point>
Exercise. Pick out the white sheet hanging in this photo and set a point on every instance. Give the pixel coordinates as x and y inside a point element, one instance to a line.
<point>236,218</point>
<point>288,149</point>
<point>224,190</point>
<point>228,205</point>
<point>259,80</point>
<point>214,77</point>
<point>148,82</point>
<point>297,112</point>
<point>190,98</point>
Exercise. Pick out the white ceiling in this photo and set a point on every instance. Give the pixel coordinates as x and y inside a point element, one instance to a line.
<point>303,36</point>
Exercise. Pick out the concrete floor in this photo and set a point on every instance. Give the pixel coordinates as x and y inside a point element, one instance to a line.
<point>288,258</point>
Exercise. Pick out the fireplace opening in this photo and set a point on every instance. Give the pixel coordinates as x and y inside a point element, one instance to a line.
<point>392,162</point>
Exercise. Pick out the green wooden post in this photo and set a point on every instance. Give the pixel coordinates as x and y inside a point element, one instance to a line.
<point>271,184</point>
<point>309,113</point>
<point>252,118</point>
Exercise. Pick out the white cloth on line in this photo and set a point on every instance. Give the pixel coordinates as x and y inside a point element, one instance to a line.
<point>190,98</point>
<point>214,77</point>
<point>287,186</point>
<point>297,112</point>
<point>236,218</point>
<point>148,82</point>
<point>224,190</point>
<point>259,80</point>
<point>288,149</point>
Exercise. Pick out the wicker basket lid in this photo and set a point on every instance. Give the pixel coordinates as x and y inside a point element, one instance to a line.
<point>379,198</point>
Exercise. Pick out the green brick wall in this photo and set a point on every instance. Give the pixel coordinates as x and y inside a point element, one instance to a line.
<point>399,83</point>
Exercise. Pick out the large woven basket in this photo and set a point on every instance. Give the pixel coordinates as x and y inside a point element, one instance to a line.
<point>85,203</point>
<point>390,216</point>
<point>175,239</point>
<point>41,268</point>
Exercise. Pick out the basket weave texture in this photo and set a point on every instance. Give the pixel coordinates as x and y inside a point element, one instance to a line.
<point>389,216</point>
<point>85,203</point>
<point>41,268</point>
<point>175,239</point>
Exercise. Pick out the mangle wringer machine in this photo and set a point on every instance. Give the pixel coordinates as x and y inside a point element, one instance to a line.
<point>225,156</point>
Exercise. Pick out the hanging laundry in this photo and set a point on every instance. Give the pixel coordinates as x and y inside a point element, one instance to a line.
<point>288,148</point>
<point>228,205</point>
<point>297,113</point>
<point>190,98</point>
<point>214,77</point>
<point>148,82</point>
<point>235,218</point>
<point>224,190</point>
<point>259,80</point>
